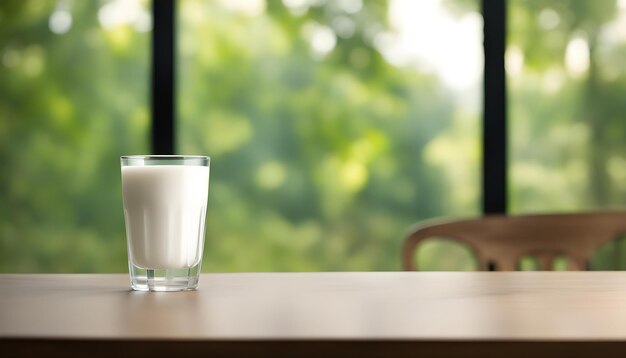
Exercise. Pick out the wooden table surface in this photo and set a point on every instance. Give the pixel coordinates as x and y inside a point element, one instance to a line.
<point>378,314</point>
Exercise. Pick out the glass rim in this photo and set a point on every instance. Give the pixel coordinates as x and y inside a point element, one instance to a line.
<point>164,156</point>
<point>155,160</point>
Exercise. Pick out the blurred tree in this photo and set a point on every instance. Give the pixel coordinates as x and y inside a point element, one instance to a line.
<point>566,83</point>
<point>566,111</point>
<point>319,144</point>
<point>72,99</point>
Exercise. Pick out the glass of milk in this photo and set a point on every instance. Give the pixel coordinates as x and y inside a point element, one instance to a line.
<point>165,199</point>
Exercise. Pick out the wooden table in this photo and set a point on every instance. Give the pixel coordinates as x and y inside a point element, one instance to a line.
<point>376,314</point>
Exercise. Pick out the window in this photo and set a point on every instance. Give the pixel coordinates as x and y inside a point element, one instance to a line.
<point>332,125</point>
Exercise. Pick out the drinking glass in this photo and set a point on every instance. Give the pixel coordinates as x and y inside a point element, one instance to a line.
<point>165,199</point>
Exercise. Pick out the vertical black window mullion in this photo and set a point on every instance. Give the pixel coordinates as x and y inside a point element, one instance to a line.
<point>163,82</point>
<point>494,181</point>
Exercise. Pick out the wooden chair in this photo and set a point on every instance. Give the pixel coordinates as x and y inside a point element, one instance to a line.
<point>500,241</point>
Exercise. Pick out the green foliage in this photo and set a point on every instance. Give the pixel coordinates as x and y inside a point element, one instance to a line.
<point>565,107</point>
<point>319,162</point>
<point>70,105</point>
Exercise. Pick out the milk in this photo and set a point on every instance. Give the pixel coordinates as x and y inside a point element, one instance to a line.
<point>164,208</point>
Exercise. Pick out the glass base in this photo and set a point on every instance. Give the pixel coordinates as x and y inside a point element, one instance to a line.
<point>164,280</point>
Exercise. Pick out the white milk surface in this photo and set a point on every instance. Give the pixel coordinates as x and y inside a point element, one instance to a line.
<point>164,208</point>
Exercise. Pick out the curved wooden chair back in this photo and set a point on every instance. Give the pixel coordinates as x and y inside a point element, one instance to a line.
<point>500,241</point>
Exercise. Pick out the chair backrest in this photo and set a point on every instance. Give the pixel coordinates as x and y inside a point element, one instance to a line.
<point>500,241</point>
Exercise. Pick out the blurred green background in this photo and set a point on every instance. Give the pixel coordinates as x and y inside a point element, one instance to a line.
<point>332,125</point>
